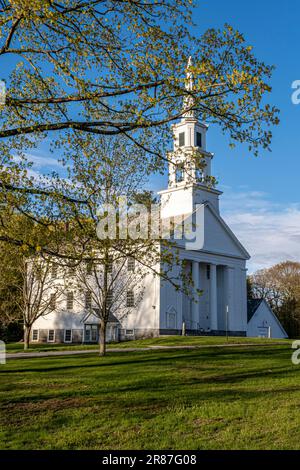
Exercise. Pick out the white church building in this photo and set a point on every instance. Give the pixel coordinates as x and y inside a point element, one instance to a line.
<point>218,265</point>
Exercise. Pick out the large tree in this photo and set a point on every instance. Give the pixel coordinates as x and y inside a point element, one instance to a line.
<point>107,67</point>
<point>79,71</point>
<point>87,52</point>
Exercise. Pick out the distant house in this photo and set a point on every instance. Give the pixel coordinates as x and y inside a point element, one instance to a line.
<point>262,321</point>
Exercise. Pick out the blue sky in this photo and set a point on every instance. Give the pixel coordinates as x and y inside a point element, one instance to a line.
<point>272,27</point>
<point>261,195</point>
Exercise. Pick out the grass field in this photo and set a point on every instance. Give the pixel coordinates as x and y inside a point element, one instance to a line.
<point>211,398</point>
<point>142,343</point>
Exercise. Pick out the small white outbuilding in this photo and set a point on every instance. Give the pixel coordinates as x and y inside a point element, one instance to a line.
<point>262,321</point>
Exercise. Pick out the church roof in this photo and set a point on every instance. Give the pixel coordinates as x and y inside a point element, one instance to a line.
<point>252,306</point>
<point>111,318</point>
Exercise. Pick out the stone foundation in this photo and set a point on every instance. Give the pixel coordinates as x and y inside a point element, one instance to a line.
<point>127,335</point>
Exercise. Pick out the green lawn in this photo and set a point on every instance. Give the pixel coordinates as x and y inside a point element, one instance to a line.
<point>161,341</point>
<point>211,398</point>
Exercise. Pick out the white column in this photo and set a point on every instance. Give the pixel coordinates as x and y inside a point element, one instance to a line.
<point>229,298</point>
<point>243,300</point>
<point>213,298</point>
<point>195,305</point>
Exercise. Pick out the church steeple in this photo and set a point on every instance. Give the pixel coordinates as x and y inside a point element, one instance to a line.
<point>189,101</point>
<point>189,161</point>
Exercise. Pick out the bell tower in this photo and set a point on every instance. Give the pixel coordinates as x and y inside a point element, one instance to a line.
<point>190,179</point>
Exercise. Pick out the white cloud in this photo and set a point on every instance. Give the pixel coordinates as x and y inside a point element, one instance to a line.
<point>269,231</point>
<point>41,161</point>
<point>42,167</point>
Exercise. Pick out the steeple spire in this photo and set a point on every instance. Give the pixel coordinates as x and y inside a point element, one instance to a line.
<point>189,162</point>
<point>189,100</point>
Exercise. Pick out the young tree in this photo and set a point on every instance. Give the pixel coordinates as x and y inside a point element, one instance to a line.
<point>110,286</point>
<point>104,171</point>
<point>39,292</point>
<point>26,284</point>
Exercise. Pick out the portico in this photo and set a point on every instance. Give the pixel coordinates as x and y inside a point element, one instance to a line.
<point>211,310</point>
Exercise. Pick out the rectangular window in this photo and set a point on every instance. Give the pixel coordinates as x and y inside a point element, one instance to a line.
<point>53,301</point>
<point>110,265</point>
<point>35,335</point>
<point>89,267</point>
<point>87,333</point>
<point>68,336</point>
<point>70,300</point>
<point>91,333</point>
<point>129,332</point>
<point>51,336</point>
<point>172,227</point>
<point>54,271</point>
<point>71,271</point>
<point>199,139</point>
<point>39,273</point>
<point>94,331</point>
<point>130,299</point>
<point>181,139</point>
<point>130,264</point>
<point>110,297</point>
<point>88,300</point>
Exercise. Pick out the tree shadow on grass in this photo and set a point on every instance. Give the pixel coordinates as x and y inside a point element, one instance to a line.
<point>176,386</point>
<point>166,356</point>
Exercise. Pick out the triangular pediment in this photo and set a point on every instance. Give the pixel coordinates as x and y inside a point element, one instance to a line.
<point>219,238</point>
<point>216,238</point>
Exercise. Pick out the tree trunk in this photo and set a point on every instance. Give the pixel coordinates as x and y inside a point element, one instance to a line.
<point>27,330</point>
<point>102,338</point>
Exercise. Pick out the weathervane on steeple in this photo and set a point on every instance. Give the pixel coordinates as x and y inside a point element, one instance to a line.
<point>189,100</point>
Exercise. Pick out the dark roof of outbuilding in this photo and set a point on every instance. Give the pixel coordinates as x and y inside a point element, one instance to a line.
<point>252,306</point>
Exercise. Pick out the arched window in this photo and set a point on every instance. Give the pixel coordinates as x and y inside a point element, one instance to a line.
<point>199,175</point>
<point>179,173</point>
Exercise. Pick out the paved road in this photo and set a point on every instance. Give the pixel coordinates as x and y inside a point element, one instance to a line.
<point>23,355</point>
